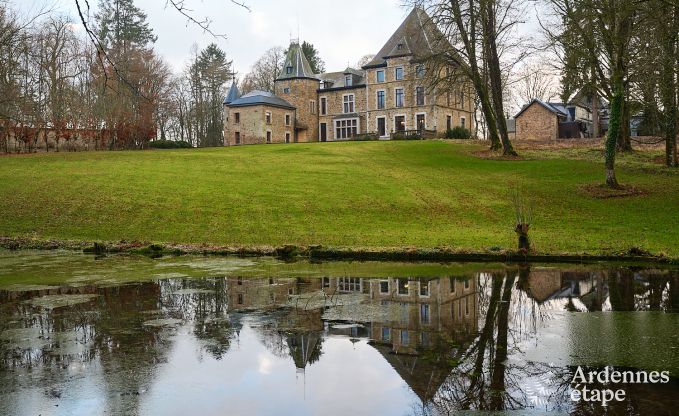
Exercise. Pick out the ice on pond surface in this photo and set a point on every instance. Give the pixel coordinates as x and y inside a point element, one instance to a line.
<point>162,322</point>
<point>59,301</point>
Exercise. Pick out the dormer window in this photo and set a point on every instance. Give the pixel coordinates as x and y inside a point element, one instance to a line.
<point>348,81</point>
<point>399,46</point>
<point>288,69</point>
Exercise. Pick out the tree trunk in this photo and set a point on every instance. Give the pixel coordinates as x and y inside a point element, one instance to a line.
<point>495,76</point>
<point>613,132</point>
<point>668,89</point>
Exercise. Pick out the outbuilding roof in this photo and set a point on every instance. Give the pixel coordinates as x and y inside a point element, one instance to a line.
<point>261,98</point>
<point>559,109</point>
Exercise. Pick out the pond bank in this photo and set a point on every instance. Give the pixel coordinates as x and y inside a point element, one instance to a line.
<point>319,252</point>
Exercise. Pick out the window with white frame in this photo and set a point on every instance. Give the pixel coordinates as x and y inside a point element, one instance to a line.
<point>419,95</point>
<point>424,313</point>
<point>268,117</point>
<point>348,103</point>
<point>424,289</point>
<point>379,76</point>
<point>405,338</point>
<point>398,73</point>
<point>312,107</point>
<point>420,121</point>
<point>399,97</point>
<point>381,99</point>
<point>400,123</point>
<point>345,129</point>
<point>287,119</point>
<point>349,284</point>
<point>386,333</point>
<point>403,286</point>
<point>348,81</point>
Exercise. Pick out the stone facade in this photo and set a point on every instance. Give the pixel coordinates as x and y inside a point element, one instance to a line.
<point>250,125</point>
<point>334,110</point>
<point>341,105</point>
<point>434,107</point>
<point>537,123</point>
<point>301,93</point>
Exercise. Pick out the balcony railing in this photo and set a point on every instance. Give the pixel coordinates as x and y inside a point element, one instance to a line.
<point>419,134</point>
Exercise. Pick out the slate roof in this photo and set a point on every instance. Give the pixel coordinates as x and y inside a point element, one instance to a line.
<point>300,65</point>
<point>261,98</point>
<point>417,36</point>
<point>555,108</point>
<point>232,95</point>
<point>338,78</point>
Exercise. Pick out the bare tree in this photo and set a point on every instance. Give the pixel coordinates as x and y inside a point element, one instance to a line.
<point>534,80</point>
<point>473,34</point>
<point>264,71</point>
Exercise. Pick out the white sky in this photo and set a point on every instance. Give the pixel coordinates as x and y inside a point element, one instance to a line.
<point>341,31</point>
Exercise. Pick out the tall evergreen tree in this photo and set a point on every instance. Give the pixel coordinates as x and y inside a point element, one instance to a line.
<point>209,73</point>
<point>123,25</point>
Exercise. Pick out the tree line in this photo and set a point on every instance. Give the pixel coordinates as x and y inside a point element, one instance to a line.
<point>107,89</point>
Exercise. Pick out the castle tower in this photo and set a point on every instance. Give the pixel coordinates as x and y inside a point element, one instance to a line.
<point>298,85</point>
<point>232,96</point>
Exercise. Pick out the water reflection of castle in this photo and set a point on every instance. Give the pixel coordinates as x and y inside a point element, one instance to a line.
<point>421,326</point>
<point>417,324</point>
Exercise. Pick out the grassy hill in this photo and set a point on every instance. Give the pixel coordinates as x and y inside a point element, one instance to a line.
<point>378,194</point>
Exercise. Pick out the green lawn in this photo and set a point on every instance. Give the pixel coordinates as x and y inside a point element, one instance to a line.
<point>377,194</point>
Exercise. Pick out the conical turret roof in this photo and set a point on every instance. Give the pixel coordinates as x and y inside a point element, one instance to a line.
<point>233,94</point>
<point>296,64</point>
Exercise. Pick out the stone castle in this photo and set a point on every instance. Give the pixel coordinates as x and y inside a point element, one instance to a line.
<point>387,95</point>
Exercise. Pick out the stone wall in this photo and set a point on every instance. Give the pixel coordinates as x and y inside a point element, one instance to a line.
<point>537,123</point>
<point>302,94</point>
<point>253,125</point>
<point>436,105</point>
<point>335,108</point>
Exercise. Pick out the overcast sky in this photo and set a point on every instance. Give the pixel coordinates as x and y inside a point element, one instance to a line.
<point>341,31</point>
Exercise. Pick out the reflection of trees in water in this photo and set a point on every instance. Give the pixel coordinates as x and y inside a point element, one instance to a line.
<point>485,378</point>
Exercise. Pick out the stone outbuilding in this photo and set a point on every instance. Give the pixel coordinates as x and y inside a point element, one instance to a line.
<point>256,118</point>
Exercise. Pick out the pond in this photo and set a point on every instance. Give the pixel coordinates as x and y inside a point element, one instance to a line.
<point>85,335</point>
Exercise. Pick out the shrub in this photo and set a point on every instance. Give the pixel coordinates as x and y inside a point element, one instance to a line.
<point>459,132</point>
<point>169,144</point>
<point>366,137</point>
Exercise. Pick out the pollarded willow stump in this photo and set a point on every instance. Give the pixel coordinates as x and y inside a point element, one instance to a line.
<point>522,231</point>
